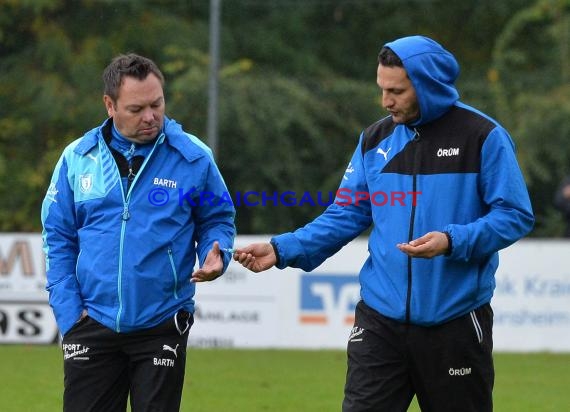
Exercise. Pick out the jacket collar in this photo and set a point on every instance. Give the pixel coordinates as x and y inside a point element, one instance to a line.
<point>173,135</point>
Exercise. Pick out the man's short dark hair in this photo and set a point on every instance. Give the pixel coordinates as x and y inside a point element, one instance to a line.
<point>127,65</point>
<point>388,58</point>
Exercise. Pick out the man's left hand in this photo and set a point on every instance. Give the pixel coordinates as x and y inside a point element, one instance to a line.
<point>429,245</point>
<point>212,267</point>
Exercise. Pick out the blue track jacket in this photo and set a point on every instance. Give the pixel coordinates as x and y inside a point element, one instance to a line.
<point>453,170</point>
<point>127,257</point>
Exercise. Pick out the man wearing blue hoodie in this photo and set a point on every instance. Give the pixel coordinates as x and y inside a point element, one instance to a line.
<point>456,197</point>
<point>123,221</point>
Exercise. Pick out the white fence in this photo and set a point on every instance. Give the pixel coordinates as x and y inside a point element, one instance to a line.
<point>294,309</point>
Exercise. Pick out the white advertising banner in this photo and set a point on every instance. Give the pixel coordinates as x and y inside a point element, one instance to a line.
<point>532,297</point>
<point>280,308</point>
<point>25,316</point>
<point>294,309</point>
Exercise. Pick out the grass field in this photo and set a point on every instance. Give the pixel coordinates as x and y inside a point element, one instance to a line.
<point>220,380</point>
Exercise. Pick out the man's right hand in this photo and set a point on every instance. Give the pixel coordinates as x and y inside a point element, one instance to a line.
<point>257,257</point>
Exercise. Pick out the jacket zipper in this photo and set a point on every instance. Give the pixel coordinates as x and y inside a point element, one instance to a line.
<point>125,216</point>
<point>416,168</point>
<point>131,176</point>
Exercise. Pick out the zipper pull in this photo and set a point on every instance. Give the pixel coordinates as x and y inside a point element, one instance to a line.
<point>126,214</point>
<point>416,135</point>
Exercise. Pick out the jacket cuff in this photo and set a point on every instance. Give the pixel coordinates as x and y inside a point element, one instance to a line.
<point>450,244</point>
<point>274,246</point>
<point>226,259</point>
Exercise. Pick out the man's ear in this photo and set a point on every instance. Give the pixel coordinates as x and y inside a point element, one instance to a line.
<point>109,105</point>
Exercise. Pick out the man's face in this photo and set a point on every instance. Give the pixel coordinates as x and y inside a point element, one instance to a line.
<point>398,94</point>
<point>138,113</point>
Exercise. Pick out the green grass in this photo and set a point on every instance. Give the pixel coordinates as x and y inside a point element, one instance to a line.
<point>219,380</point>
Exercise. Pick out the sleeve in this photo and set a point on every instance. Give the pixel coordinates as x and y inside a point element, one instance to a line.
<point>214,216</point>
<point>61,248</point>
<point>503,190</point>
<point>342,221</point>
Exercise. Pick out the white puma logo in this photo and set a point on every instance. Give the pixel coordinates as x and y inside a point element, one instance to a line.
<point>349,169</point>
<point>384,153</point>
<point>166,347</point>
<point>90,156</point>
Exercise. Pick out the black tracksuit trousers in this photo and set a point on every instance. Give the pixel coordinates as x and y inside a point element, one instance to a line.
<point>449,367</point>
<point>103,368</point>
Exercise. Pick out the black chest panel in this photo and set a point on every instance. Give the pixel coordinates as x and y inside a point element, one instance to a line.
<point>451,144</point>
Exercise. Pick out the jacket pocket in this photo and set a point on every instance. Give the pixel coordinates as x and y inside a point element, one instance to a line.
<point>174,273</point>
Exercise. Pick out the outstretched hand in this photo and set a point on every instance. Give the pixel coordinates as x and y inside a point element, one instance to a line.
<point>429,245</point>
<point>212,267</point>
<point>256,257</point>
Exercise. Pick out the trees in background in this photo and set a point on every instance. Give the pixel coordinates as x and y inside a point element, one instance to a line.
<point>530,77</point>
<point>297,86</point>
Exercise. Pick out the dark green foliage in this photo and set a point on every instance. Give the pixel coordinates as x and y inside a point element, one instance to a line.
<point>297,86</point>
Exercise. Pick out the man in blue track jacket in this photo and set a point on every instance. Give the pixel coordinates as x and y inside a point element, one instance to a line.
<point>130,205</point>
<point>440,185</point>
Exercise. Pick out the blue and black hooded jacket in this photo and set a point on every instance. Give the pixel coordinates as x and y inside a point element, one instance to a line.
<point>126,252</point>
<point>452,170</point>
